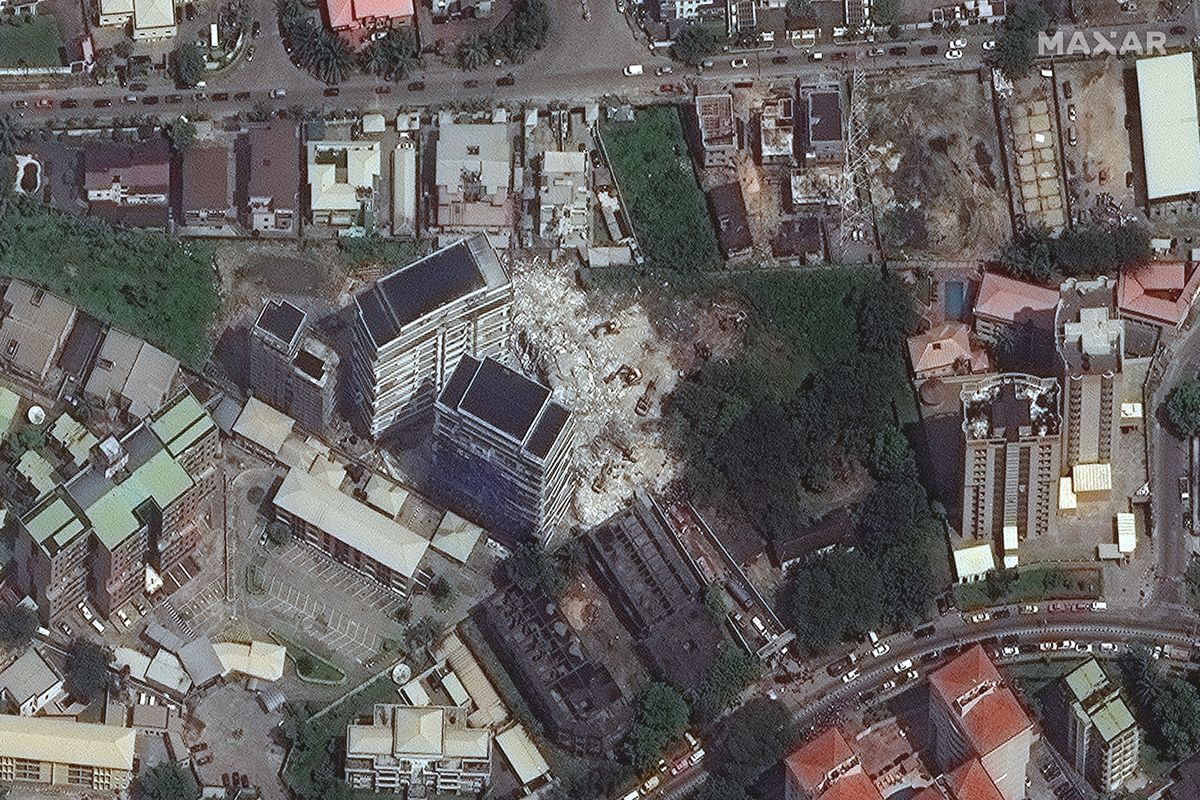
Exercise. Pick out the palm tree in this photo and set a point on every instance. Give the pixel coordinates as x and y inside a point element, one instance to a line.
<point>393,56</point>
<point>1141,672</point>
<point>333,62</point>
<point>8,135</point>
<point>474,52</point>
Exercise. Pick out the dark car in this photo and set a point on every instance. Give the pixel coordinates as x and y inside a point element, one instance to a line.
<point>332,91</point>
<point>255,29</point>
<point>506,80</point>
<point>1002,613</point>
<point>220,96</point>
<point>929,50</point>
<point>1178,30</point>
<point>779,60</point>
<point>383,90</point>
<point>69,103</point>
<point>840,56</point>
<point>150,101</point>
<point>189,11</point>
<point>242,96</point>
<point>103,104</point>
<point>417,86</point>
<point>471,84</point>
<point>898,51</point>
<point>137,87</point>
<point>921,633</point>
<point>245,781</point>
<point>174,99</point>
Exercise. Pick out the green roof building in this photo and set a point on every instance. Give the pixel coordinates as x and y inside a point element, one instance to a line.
<point>1102,738</point>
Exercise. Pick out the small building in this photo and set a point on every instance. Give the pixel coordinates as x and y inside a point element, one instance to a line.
<point>824,130</point>
<point>342,180</point>
<point>34,326</point>
<point>205,188</point>
<point>564,207</point>
<point>826,767</point>
<point>717,128</point>
<point>946,350</point>
<point>527,762</point>
<point>431,747</point>
<point>473,177</point>
<point>29,684</point>
<point>404,188</point>
<point>269,160</point>
<point>154,20</point>
<point>776,129</point>
<point>356,15</point>
<point>261,429</point>
<point>1009,307</point>
<point>83,757</point>
<point>973,560</point>
<point>1160,293</point>
<point>72,439</point>
<point>728,209</point>
<point>129,184</point>
<point>131,374</point>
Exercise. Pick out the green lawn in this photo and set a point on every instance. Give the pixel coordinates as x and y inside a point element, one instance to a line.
<point>310,666</point>
<point>146,283</point>
<point>1035,584</point>
<point>657,182</point>
<point>32,43</point>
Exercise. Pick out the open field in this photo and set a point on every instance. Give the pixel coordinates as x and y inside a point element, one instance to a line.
<point>651,162</point>
<point>933,148</point>
<point>1035,584</point>
<point>32,43</point>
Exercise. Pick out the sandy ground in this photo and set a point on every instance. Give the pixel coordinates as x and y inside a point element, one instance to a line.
<point>945,123</point>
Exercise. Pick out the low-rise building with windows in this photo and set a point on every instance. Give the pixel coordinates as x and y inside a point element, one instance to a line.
<point>65,753</point>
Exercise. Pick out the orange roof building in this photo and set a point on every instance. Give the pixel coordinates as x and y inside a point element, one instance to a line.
<point>968,782</point>
<point>1009,301</point>
<point>1161,293</point>
<point>352,15</point>
<point>975,716</point>
<point>825,768</point>
<point>946,349</point>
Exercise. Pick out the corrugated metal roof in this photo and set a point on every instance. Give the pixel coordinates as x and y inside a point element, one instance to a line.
<point>1170,128</point>
<point>63,741</point>
<point>1091,478</point>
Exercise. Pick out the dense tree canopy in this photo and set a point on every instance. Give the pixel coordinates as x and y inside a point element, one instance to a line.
<point>750,740</point>
<point>188,64</point>
<point>169,781</point>
<point>1183,407</point>
<point>697,41</point>
<point>729,674</point>
<point>662,718</point>
<point>18,624</point>
<point>1016,49</point>
<point>1082,251</point>
<point>1167,707</point>
<point>87,676</point>
<point>525,29</point>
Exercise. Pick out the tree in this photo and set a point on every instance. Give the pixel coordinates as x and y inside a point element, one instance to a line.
<point>1016,48</point>
<point>731,671</point>
<point>392,57</point>
<point>87,676</point>
<point>279,532</point>
<point>747,742</point>
<point>29,437</point>
<point>799,9</point>
<point>474,52</point>
<point>8,134</point>
<point>442,593</point>
<point>18,624</point>
<point>169,781</point>
<point>189,65</point>
<point>531,568</point>
<point>833,597</point>
<point>891,455</point>
<point>884,316</point>
<point>182,134</point>
<point>884,12</point>
<point>526,28</point>
<point>1183,407</point>
<point>697,42</point>
<point>662,718</point>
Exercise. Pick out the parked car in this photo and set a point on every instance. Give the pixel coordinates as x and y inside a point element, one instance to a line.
<point>880,649</point>
<point>1067,89</point>
<point>739,63</point>
<point>990,44</point>
<point>875,51</point>
<point>898,51</point>
<point>633,69</point>
<point>330,91</point>
<point>417,86</point>
<point>1184,489</point>
<point>65,628</point>
<point>954,55</point>
<point>129,99</point>
<point>660,71</point>
<point>1072,136</point>
<point>277,93</point>
<point>242,96</point>
<point>957,44</point>
<point>174,99</point>
<point>779,60</point>
<point>850,676</point>
<point>44,102</point>
<point>137,87</point>
<point>70,102</point>
<point>383,90</point>
<point>102,104</point>
<point>470,83</point>
<point>929,50</point>
<point>1178,30</point>
<point>1029,608</point>
<point>1008,651</point>
<point>20,104</point>
<point>150,101</point>
<point>506,80</point>
<point>979,616</point>
<point>249,54</point>
<point>255,29</point>
<point>901,666</point>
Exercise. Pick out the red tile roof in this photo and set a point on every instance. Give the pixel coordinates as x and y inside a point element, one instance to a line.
<point>971,782</point>
<point>987,711</point>
<point>1160,292</point>
<point>1008,299</point>
<point>855,786</point>
<point>353,13</point>
<point>812,761</point>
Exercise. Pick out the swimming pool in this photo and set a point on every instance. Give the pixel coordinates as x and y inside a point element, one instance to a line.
<point>955,294</point>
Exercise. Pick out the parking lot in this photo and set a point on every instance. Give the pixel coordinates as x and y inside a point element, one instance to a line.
<point>239,736</point>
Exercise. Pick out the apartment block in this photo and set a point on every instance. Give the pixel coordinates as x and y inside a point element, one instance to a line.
<point>137,505</point>
<point>290,369</point>
<point>414,325</point>
<point>502,448</point>
<point>1101,737</point>
<point>1011,424</point>
<point>974,715</point>
<point>404,747</point>
<point>1091,344</point>
<point>79,756</point>
<point>826,768</point>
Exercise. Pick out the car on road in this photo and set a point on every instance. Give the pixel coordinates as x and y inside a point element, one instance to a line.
<point>255,29</point>
<point>506,80</point>
<point>332,91</point>
<point>129,98</point>
<point>979,616</point>
<point>137,87</point>
<point>660,71</point>
<point>1108,647</point>
<point>242,96</point>
<point>417,86</point>
<point>990,44</point>
<point>1029,608</point>
<point>850,676</point>
<point>102,104</point>
<point>65,628</point>
<point>70,102</point>
<point>739,63</point>
<point>470,84</point>
<point>277,93</point>
<point>383,90</point>
<point>954,55</point>
<point>888,686</point>
<point>1072,136</point>
<point>1008,651</point>
<point>44,102</point>
<point>875,51</point>
<point>1047,646</point>
<point>1184,493</point>
<point>779,60</point>
<point>901,666</point>
<point>20,104</point>
<point>898,51</point>
<point>1001,613</point>
<point>98,625</point>
<point>174,99</point>
<point>912,675</point>
<point>816,56</point>
<point>150,101</point>
<point>1178,30</point>
<point>1066,644</point>
<point>929,50</point>
<point>633,69</point>
<point>125,620</point>
<point>880,649</point>
<point>1071,112</point>
<point>249,54</point>
<point>957,44</point>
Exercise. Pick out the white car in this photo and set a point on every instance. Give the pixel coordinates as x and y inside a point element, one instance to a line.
<point>1045,646</point>
<point>850,676</point>
<point>98,625</point>
<point>739,63</point>
<point>1008,651</point>
<point>888,686</point>
<point>990,44</point>
<point>954,55</point>
<point>912,675</point>
<point>981,616</point>
<point>902,666</point>
<point>660,71</point>
<point>1029,608</point>
<point>880,649</point>
<point>1071,112</point>
<point>87,612</point>
<point>632,70</point>
<point>957,44</point>
<point>1108,647</point>
<point>125,620</point>
<point>277,93</point>
<point>1067,644</point>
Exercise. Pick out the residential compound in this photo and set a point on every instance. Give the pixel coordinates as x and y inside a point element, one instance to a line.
<point>1097,730</point>
<point>272,169</point>
<point>150,19</point>
<point>129,184</point>
<point>504,448</point>
<point>343,181</point>
<point>414,325</point>
<point>401,747</point>
<point>473,184</point>
<point>136,508</point>
<point>29,684</point>
<point>1013,453</point>
<point>825,768</point>
<point>290,369</point>
<point>33,331</point>
<point>564,199</point>
<point>77,756</point>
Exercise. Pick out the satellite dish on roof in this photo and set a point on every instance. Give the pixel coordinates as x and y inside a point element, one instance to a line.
<point>401,674</point>
<point>36,415</point>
